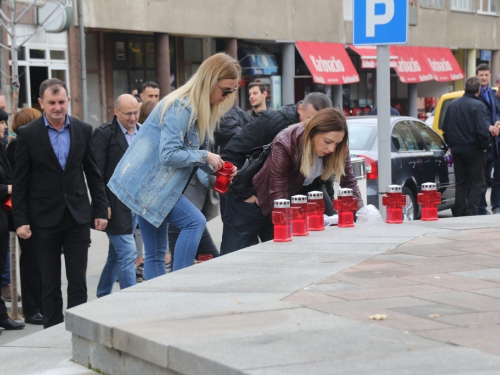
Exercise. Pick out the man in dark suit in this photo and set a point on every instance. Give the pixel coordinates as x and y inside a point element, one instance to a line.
<point>487,96</point>
<point>54,157</point>
<point>111,140</point>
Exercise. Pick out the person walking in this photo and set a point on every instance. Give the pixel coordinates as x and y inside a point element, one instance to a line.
<point>466,131</point>
<point>55,168</point>
<point>111,141</point>
<point>6,189</point>
<point>29,264</point>
<point>171,146</point>
<point>488,97</point>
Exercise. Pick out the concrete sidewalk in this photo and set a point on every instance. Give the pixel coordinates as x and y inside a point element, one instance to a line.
<point>300,307</point>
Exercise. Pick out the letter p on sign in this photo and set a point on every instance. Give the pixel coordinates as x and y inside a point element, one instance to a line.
<point>373,19</point>
<point>380,22</point>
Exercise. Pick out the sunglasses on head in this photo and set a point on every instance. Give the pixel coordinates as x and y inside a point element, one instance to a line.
<point>226,92</point>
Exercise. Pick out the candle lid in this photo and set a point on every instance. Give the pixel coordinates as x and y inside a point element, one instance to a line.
<point>394,189</point>
<point>299,199</point>
<point>315,195</point>
<point>427,186</point>
<point>281,203</point>
<point>345,192</point>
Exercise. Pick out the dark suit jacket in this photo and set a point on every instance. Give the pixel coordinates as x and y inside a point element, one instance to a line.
<point>494,115</point>
<point>5,179</point>
<point>43,190</point>
<point>110,146</point>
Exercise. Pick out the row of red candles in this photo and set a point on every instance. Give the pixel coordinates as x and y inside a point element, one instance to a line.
<point>305,214</point>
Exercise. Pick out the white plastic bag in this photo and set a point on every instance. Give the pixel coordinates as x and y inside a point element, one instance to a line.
<point>368,214</point>
<point>331,220</point>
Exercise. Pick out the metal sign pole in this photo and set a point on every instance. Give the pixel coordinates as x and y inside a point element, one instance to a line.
<point>14,312</point>
<point>384,122</point>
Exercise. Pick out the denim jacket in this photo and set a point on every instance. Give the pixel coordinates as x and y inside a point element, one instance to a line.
<point>155,169</point>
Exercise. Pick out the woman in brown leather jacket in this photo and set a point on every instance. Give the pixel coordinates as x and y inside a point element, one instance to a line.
<point>304,153</point>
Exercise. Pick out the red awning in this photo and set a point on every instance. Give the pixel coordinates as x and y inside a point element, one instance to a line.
<point>328,63</point>
<point>368,56</point>
<point>411,65</point>
<point>442,63</point>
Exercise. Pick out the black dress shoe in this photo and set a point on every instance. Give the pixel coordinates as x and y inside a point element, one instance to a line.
<point>9,324</point>
<point>36,319</point>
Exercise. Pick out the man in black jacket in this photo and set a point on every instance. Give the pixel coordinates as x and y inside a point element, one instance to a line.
<point>466,131</point>
<point>241,202</point>
<point>111,140</point>
<point>55,163</point>
<point>230,124</point>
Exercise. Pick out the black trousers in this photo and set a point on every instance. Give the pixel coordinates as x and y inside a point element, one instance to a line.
<point>469,172</point>
<point>206,245</point>
<point>74,239</point>
<point>4,249</point>
<point>31,278</point>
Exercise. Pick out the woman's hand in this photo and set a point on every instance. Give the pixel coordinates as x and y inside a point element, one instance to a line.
<point>9,189</point>
<point>215,161</point>
<point>233,173</point>
<point>253,199</point>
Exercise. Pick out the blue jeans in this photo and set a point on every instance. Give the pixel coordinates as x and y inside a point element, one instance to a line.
<point>120,263</point>
<point>243,222</point>
<point>189,219</point>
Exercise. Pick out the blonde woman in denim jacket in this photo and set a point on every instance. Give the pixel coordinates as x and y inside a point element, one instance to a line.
<point>164,155</point>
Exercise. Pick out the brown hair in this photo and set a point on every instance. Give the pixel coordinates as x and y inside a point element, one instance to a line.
<point>24,116</point>
<point>55,85</point>
<point>326,120</point>
<point>146,108</point>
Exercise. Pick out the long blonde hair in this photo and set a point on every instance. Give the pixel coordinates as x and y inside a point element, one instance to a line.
<point>326,120</point>
<point>198,89</point>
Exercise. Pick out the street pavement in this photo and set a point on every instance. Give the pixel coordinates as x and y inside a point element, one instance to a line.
<point>441,291</point>
<point>97,257</point>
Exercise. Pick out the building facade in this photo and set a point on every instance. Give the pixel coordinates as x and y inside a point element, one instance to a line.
<point>129,43</point>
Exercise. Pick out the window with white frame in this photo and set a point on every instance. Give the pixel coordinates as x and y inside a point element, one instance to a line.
<point>348,10</point>
<point>488,6</point>
<point>436,4</point>
<point>465,5</point>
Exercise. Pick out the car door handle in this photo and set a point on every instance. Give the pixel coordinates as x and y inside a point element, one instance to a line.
<point>412,163</point>
<point>438,162</point>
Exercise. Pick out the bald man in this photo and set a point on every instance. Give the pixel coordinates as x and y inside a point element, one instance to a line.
<point>111,140</point>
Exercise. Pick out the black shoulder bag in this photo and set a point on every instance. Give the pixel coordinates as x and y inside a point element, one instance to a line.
<point>253,164</point>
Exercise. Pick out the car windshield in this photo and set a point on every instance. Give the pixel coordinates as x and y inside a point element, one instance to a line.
<point>361,136</point>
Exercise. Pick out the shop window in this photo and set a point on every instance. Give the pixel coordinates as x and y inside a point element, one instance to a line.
<point>57,55</point>
<point>150,53</point>
<point>436,4</point>
<point>136,49</point>
<point>37,54</point>
<point>488,6</point>
<point>120,55</point>
<point>59,74</point>
<point>463,5</point>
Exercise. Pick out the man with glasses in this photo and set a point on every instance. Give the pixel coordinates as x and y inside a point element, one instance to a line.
<point>111,140</point>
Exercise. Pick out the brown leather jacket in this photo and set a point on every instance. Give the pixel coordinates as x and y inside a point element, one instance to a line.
<point>280,177</point>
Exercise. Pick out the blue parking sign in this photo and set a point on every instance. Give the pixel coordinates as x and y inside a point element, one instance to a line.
<point>380,22</point>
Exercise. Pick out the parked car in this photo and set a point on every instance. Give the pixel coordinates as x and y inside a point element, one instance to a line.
<point>417,154</point>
